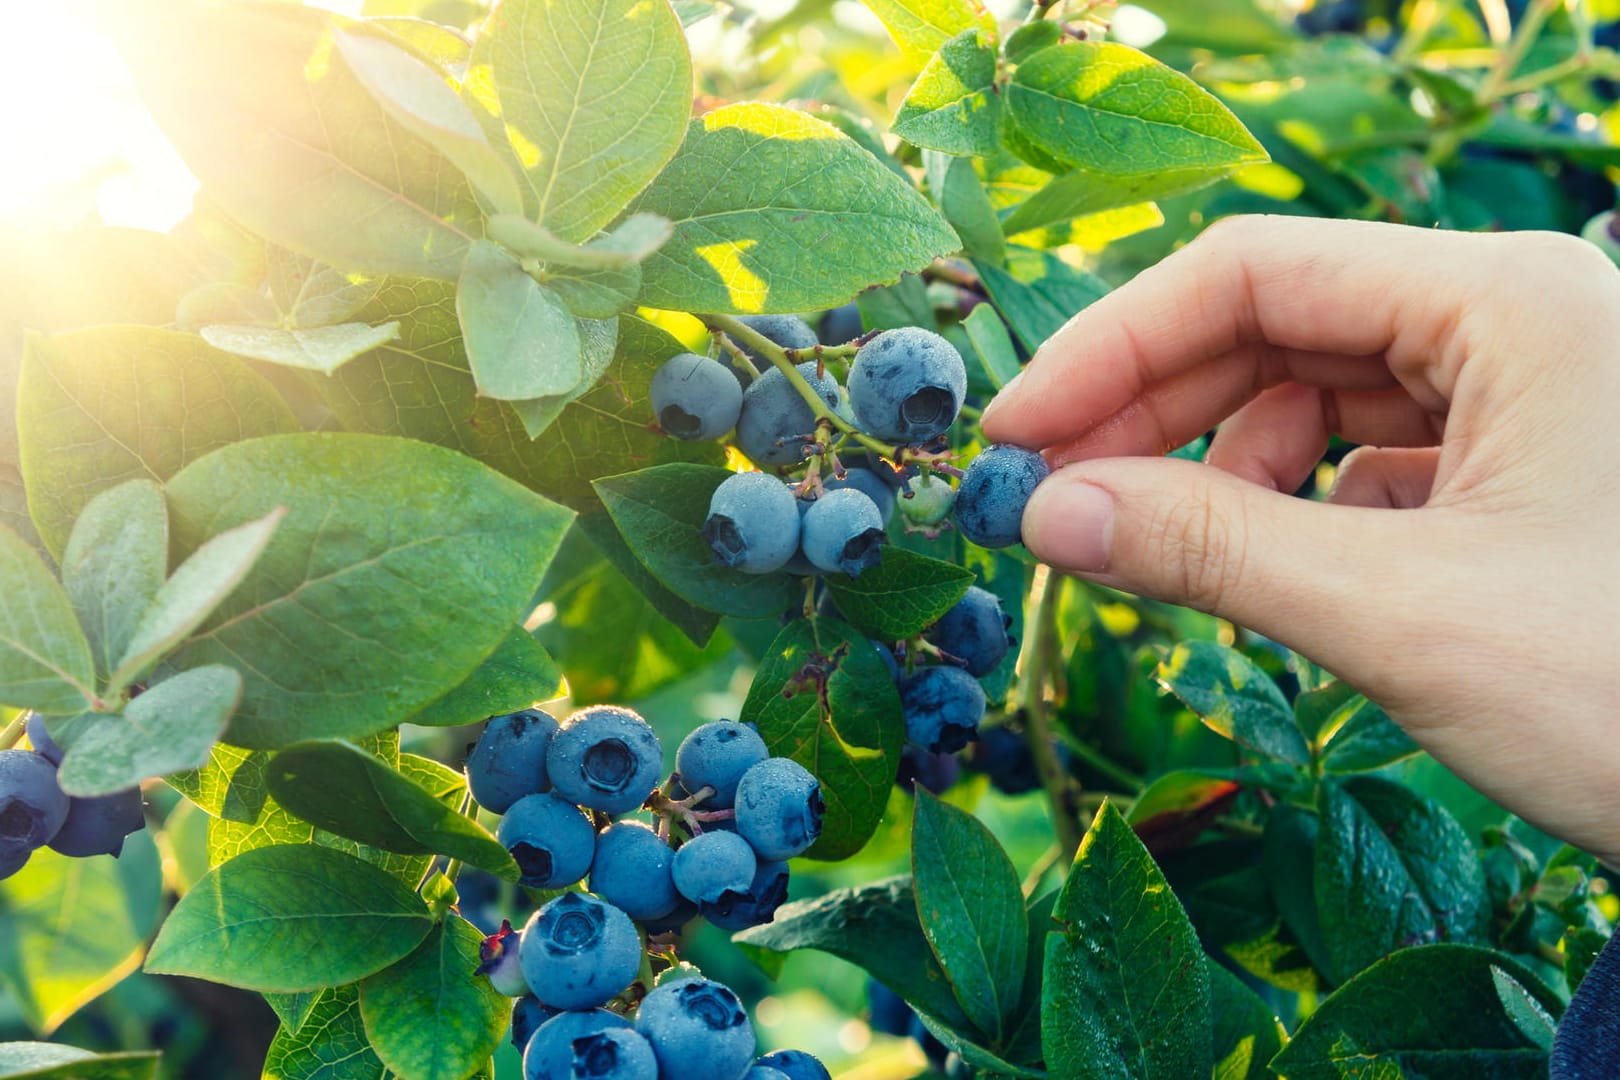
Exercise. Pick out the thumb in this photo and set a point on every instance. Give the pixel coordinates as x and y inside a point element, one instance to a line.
<point>1312,575</point>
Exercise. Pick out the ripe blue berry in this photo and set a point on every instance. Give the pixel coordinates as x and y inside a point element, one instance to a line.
<point>605,757</point>
<point>756,1071</point>
<point>775,420</point>
<point>685,911</point>
<point>840,324</point>
<point>695,397</point>
<point>13,860</point>
<point>890,1013</point>
<point>550,1053</point>
<point>797,1064</point>
<point>712,864</point>
<point>753,523</point>
<point>32,807</point>
<point>527,1016</point>
<point>974,631</point>
<point>1003,755</point>
<point>934,772</point>
<point>97,826</point>
<point>788,331</point>
<point>509,759</point>
<point>578,952</point>
<point>907,385</point>
<point>871,485</point>
<point>943,707</point>
<point>927,500</point>
<point>716,755</point>
<point>632,871</point>
<point>551,841</point>
<point>738,911</point>
<point>991,499</point>
<point>615,1054</point>
<point>40,739</point>
<point>843,531</point>
<point>498,959</point>
<point>779,808</point>
<point>698,1030</point>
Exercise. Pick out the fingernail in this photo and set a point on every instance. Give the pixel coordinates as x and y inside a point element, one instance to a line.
<point>1070,525</point>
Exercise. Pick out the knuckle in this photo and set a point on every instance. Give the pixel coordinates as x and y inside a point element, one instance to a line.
<point>1564,261</point>
<point>1201,545</point>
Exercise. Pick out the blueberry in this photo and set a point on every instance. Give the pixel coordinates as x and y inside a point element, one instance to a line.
<point>32,807</point>
<point>753,523</point>
<point>840,325</point>
<point>1003,755</point>
<point>775,419</point>
<point>943,707</point>
<point>738,911</point>
<point>934,771</point>
<point>550,839</point>
<point>97,826</point>
<point>712,864</point>
<point>796,1064</point>
<point>498,959</point>
<point>991,499</point>
<point>685,911</point>
<point>890,1013</point>
<point>788,331</point>
<point>756,1071</point>
<point>843,531</point>
<point>716,755</point>
<point>40,739</point>
<point>578,952</point>
<point>13,859</point>
<point>698,1030</point>
<point>779,808</point>
<point>927,500</point>
<point>934,1050</point>
<point>695,397</point>
<point>605,757</point>
<point>632,871</point>
<point>884,469</point>
<point>871,485</point>
<point>974,631</point>
<point>799,566</point>
<point>907,385</point>
<point>509,759</point>
<point>616,1054</point>
<point>527,1016</point>
<point>550,1053</point>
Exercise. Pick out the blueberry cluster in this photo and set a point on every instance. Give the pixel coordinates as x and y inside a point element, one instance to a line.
<point>35,813</point>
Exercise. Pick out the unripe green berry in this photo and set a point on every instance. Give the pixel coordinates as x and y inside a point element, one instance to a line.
<point>1604,232</point>
<point>930,500</point>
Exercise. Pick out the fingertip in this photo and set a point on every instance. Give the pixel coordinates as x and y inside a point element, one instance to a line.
<point>1069,524</point>
<point>996,419</point>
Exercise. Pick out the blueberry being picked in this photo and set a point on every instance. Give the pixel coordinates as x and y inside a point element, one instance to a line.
<point>509,759</point>
<point>739,910</point>
<point>991,499</point>
<point>698,1030</point>
<point>633,871</point>
<point>907,385</point>
<point>578,952</point>
<point>843,531</point>
<point>32,806</point>
<point>550,1052</point>
<point>753,523</point>
<point>974,631</point>
<point>716,755</point>
<point>712,864</point>
<point>695,398</point>
<point>605,757</point>
<point>943,707</point>
<point>779,808</point>
<point>551,841</point>
<point>775,420</point>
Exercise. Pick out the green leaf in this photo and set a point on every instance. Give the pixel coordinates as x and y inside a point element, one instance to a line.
<point>596,294</point>
<point>98,407</point>
<point>1043,295</point>
<point>1315,710</point>
<point>1024,1043</point>
<point>660,513</point>
<point>1175,809</point>
<point>1031,38</point>
<point>430,1017</point>
<point>53,1061</point>
<point>337,786</point>
<point>318,348</point>
<point>45,661</point>
<point>365,514</point>
<point>631,241</point>
<point>197,587</point>
<point>292,1009</point>
<point>520,338</point>
<point>1533,1021</point>
<point>329,173</point>
<point>992,345</point>
<point>288,918</point>
<point>1288,859</point>
<point>225,302</point>
<point>116,559</point>
<point>953,106</point>
<point>597,339</point>
<point>1247,1032</point>
<point>519,673</point>
<point>1431,1011</point>
<point>331,1043</point>
<point>589,96</point>
<point>1126,989</point>
<point>1234,697</point>
<point>313,294</point>
<point>971,909</point>
<point>922,27</point>
<point>1360,737</point>
<point>962,199</point>
<point>169,728</point>
<point>759,227</point>
<point>424,102</point>
<point>875,928</point>
<point>901,596</point>
<point>72,928</point>
<point>1393,869</point>
<point>849,734</point>
<point>1127,129</point>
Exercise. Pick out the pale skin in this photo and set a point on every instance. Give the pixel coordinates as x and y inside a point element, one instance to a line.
<point>1465,570</point>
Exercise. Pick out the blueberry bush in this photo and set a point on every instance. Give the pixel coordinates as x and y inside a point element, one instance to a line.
<point>512,584</point>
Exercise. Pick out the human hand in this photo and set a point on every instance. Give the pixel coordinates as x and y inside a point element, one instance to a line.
<point>1465,570</point>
